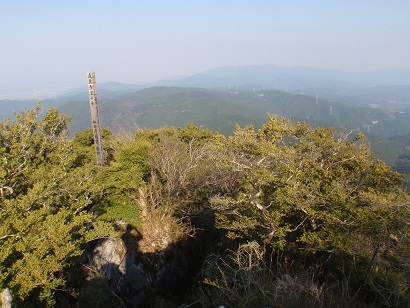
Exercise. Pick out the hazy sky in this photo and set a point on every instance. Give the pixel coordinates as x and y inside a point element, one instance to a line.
<point>46,44</point>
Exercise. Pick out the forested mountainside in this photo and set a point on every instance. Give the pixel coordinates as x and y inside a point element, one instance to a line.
<point>155,107</point>
<point>378,111</point>
<point>381,113</point>
<point>285,215</point>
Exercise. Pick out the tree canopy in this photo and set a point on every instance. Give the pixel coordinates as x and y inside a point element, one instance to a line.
<point>44,203</point>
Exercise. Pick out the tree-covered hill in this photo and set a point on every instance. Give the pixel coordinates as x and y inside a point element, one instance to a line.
<point>155,107</point>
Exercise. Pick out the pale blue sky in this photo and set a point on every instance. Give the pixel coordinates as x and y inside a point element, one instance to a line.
<point>46,44</point>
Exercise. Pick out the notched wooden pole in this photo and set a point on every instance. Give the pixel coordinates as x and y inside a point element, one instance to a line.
<point>95,118</point>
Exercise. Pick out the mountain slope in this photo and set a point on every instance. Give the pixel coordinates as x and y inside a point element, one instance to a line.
<point>160,106</point>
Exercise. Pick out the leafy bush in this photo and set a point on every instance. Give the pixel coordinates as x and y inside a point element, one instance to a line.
<point>320,199</point>
<point>44,205</point>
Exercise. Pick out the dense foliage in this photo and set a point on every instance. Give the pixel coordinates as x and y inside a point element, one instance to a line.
<point>293,211</point>
<point>321,201</point>
<point>44,205</point>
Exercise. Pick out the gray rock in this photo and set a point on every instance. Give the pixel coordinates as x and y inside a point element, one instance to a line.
<point>6,298</point>
<point>108,257</point>
<point>125,277</point>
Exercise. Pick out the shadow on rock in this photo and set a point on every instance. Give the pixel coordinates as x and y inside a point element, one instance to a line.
<point>115,277</point>
<point>120,274</point>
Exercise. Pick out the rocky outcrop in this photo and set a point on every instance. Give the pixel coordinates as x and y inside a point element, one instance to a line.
<point>108,257</point>
<point>5,298</point>
<point>122,273</point>
<point>125,275</point>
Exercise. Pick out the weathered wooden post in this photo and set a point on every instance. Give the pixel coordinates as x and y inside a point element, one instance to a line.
<point>95,118</point>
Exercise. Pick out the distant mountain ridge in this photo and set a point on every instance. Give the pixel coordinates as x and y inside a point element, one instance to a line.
<point>271,77</point>
<point>258,77</point>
